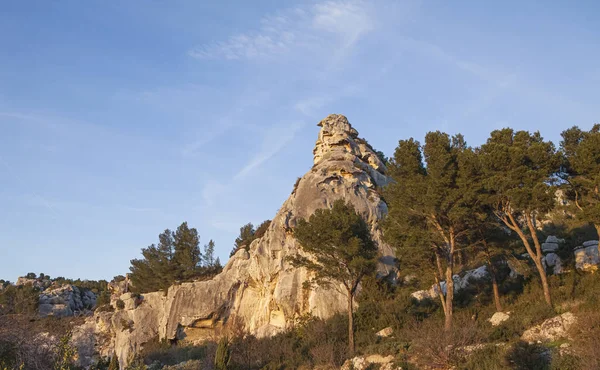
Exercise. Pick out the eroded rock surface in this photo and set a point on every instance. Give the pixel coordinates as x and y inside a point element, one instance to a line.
<point>66,301</point>
<point>551,329</point>
<point>258,289</point>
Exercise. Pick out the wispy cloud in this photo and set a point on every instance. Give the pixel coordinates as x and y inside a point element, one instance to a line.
<point>276,139</point>
<point>340,22</point>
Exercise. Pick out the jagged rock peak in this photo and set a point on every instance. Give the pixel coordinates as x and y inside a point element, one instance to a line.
<point>339,141</point>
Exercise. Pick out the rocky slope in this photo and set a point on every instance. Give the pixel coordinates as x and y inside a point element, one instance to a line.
<point>258,290</point>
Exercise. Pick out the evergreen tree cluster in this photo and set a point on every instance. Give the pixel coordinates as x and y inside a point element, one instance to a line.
<point>177,257</point>
<point>452,203</point>
<point>248,234</point>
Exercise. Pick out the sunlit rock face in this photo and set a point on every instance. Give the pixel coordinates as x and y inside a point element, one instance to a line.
<point>258,290</point>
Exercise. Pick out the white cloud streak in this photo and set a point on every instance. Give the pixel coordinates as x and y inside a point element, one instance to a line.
<point>277,138</point>
<point>300,28</point>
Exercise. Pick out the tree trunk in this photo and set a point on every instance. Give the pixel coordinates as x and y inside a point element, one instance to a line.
<point>597,226</point>
<point>449,297</point>
<point>492,270</point>
<point>495,288</point>
<point>438,276</point>
<point>538,259</point>
<point>440,293</point>
<point>350,325</point>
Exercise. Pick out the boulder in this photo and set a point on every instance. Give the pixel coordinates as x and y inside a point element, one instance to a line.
<point>551,329</point>
<point>549,247</point>
<point>367,362</point>
<point>554,239</point>
<point>384,333</point>
<point>499,317</point>
<point>65,301</point>
<point>460,282</point>
<point>586,258</point>
<point>554,261</point>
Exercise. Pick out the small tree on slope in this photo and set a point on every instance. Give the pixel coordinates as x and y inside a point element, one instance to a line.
<point>341,251</point>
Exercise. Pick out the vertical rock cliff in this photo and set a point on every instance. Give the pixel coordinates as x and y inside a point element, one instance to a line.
<point>258,289</point>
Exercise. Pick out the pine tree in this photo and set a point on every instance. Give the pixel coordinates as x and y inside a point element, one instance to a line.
<point>581,171</point>
<point>518,169</point>
<point>187,258</point>
<point>209,254</point>
<point>339,250</point>
<point>244,239</point>
<point>177,257</point>
<point>432,206</point>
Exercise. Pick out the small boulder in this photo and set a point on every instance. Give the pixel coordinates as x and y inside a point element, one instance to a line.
<point>551,329</point>
<point>365,362</point>
<point>384,333</point>
<point>498,318</point>
<point>549,247</point>
<point>586,258</point>
<point>554,261</point>
<point>554,239</point>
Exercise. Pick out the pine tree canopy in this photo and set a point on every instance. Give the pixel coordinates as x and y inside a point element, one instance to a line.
<point>339,246</point>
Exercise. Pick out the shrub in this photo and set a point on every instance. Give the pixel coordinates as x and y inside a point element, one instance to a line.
<point>444,349</point>
<point>222,356</point>
<point>120,304</point>
<point>525,356</point>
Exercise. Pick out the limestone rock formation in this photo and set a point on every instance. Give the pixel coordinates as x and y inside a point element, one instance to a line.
<point>258,289</point>
<point>65,301</point>
<point>551,329</point>
<point>498,318</point>
<point>460,283</point>
<point>586,256</point>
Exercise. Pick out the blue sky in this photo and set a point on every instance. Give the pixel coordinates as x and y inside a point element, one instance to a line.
<point>121,119</point>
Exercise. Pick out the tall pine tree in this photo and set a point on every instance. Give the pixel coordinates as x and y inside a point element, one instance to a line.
<point>339,250</point>
<point>432,205</point>
<point>581,171</point>
<point>519,168</point>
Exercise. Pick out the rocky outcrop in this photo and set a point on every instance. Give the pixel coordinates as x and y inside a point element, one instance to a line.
<point>586,256</point>
<point>66,301</point>
<point>369,362</point>
<point>258,290</point>
<point>461,281</point>
<point>551,329</point>
<point>39,283</point>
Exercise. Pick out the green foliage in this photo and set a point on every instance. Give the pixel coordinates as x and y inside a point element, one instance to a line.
<point>209,254</point>
<point>433,205</point>
<point>23,299</point>
<point>176,257</point>
<point>262,229</point>
<point>222,355</point>
<point>581,172</point>
<point>518,170</point>
<point>525,356</point>
<point>248,234</point>
<point>341,251</point>
<point>65,354</point>
<point>340,246</point>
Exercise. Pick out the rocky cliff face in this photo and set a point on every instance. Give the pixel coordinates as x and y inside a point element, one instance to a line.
<point>258,289</point>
